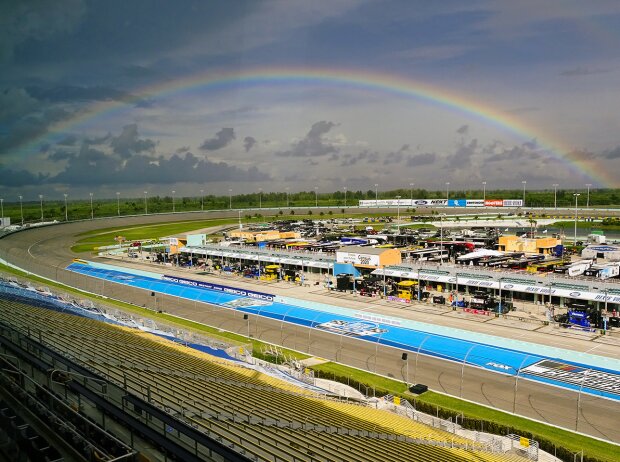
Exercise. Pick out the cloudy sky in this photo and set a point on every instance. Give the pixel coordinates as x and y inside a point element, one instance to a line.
<point>106,96</point>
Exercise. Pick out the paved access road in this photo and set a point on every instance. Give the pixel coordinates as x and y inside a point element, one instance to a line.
<point>45,251</point>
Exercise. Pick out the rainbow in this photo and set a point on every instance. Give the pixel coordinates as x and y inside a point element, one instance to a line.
<point>368,81</point>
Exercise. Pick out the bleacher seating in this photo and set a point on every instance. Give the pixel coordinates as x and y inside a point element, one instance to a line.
<point>270,418</point>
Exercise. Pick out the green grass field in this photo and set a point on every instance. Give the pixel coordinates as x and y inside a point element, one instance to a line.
<point>102,237</point>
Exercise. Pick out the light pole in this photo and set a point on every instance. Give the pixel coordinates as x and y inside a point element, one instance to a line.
<point>230,198</point>
<point>447,190</point>
<point>2,209</point>
<point>146,207</point>
<point>588,196</point>
<point>411,192</point>
<point>287,192</point>
<point>118,203</point>
<point>345,197</point>
<point>555,195</point>
<point>92,213</point>
<point>66,213</point>
<point>202,200</point>
<point>240,227</point>
<point>440,238</point>
<point>21,209</point>
<point>398,214</point>
<point>524,183</point>
<point>173,207</point>
<point>260,198</point>
<point>484,191</point>
<point>376,195</point>
<point>41,199</point>
<point>576,197</point>
<point>316,196</point>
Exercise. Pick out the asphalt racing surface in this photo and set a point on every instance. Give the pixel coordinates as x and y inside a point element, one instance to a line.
<point>45,251</point>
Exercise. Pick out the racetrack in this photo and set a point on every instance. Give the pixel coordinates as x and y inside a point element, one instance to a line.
<point>45,251</point>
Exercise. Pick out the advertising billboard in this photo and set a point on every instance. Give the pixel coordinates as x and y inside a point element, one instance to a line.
<point>494,203</point>
<point>457,203</point>
<point>475,203</point>
<point>441,203</point>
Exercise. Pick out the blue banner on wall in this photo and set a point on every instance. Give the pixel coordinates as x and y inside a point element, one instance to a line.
<point>219,288</point>
<point>457,202</point>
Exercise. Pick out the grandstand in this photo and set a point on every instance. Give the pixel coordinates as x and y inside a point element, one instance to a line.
<point>258,416</point>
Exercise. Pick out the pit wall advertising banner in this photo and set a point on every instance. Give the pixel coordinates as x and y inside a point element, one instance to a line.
<point>219,288</point>
<point>442,203</point>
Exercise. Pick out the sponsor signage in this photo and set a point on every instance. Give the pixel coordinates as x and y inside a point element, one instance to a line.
<point>441,203</point>
<point>576,375</point>
<point>357,258</point>
<point>219,288</point>
<point>457,203</point>
<point>475,203</point>
<point>474,311</point>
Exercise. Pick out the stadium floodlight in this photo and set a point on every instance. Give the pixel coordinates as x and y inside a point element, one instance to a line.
<point>287,192</point>
<point>447,190</point>
<point>41,199</point>
<point>345,196</point>
<point>260,198</point>
<point>411,185</point>
<point>21,208</point>
<point>202,202</point>
<point>2,208</point>
<point>316,196</point>
<point>66,213</point>
<point>576,198</point>
<point>398,214</point>
<point>376,195</point>
<point>555,195</point>
<point>230,198</point>
<point>173,209</point>
<point>484,191</point>
<point>118,203</point>
<point>588,196</point>
<point>524,183</point>
<point>146,207</point>
<point>92,213</point>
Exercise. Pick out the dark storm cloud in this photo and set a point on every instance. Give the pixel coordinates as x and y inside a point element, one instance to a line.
<point>182,149</point>
<point>248,143</point>
<point>581,71</point>
<point>463,129</point>
<point>71,93</point>
<point>128,142</point>
<point>16,178</point>
<point>418,160</point>
<point>463,154</point>
<point>396,157</point>
<point>612,153</point>
<point>16,103</point>
<point>30,127</point>
<point>92,167</point>
<point>221,139</point>
<point>313,144</point>
<point>35,20</point>
<point>135,71</point>
<point>69,140</point>
<point>532,144</point>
